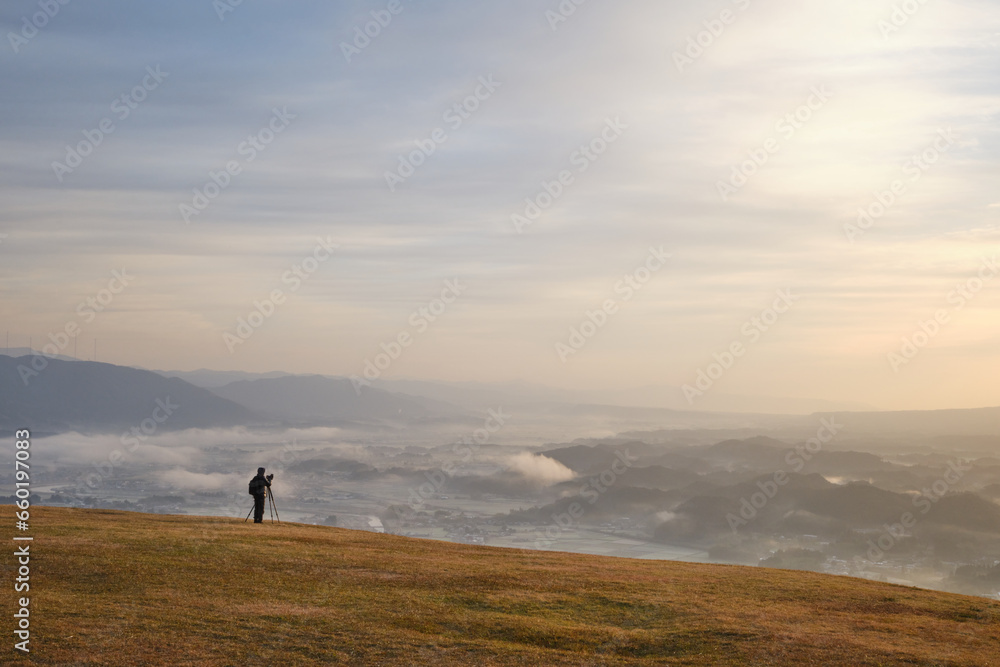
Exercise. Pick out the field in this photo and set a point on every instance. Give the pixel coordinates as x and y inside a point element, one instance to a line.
<point>113,588</point>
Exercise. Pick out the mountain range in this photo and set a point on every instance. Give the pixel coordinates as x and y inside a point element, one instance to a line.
<point>90,397</point>
<point>94,396</point>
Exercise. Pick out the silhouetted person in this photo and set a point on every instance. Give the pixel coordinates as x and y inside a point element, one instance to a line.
<point>258,489</point>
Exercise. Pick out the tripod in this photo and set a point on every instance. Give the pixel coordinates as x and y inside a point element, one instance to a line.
<point>274,508</point>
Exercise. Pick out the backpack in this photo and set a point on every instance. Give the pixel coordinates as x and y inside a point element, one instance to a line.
<point>255,486</point>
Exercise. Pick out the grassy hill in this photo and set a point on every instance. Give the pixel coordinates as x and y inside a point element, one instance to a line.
<point>113,588</point>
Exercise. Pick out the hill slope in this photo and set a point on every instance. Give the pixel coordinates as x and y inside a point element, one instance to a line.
<point>114,588</point>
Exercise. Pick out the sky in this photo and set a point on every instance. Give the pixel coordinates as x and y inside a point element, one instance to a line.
<point>697,167</point>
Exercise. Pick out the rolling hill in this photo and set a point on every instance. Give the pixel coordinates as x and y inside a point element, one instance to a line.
<point>115,588</point>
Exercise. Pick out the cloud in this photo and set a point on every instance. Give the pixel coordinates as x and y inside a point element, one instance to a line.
<point>76,442</point>
<point>185,480</point>
<point>181,447</point>
<point>540,468</point>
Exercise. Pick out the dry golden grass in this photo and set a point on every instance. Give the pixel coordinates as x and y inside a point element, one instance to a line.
<point>114,588</point>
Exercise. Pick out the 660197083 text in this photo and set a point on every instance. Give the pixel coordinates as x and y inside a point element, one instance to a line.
<point>22,542</point>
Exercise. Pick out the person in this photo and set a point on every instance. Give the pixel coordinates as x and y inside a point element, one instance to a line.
<point>258,489</point>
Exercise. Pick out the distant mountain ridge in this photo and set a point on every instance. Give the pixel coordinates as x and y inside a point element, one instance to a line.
<point>31,352</point>
<point>210,379</point>
<point>329,400</point>
<point>662,397</point>
<point>958,422</point>
<point>93,397</point>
